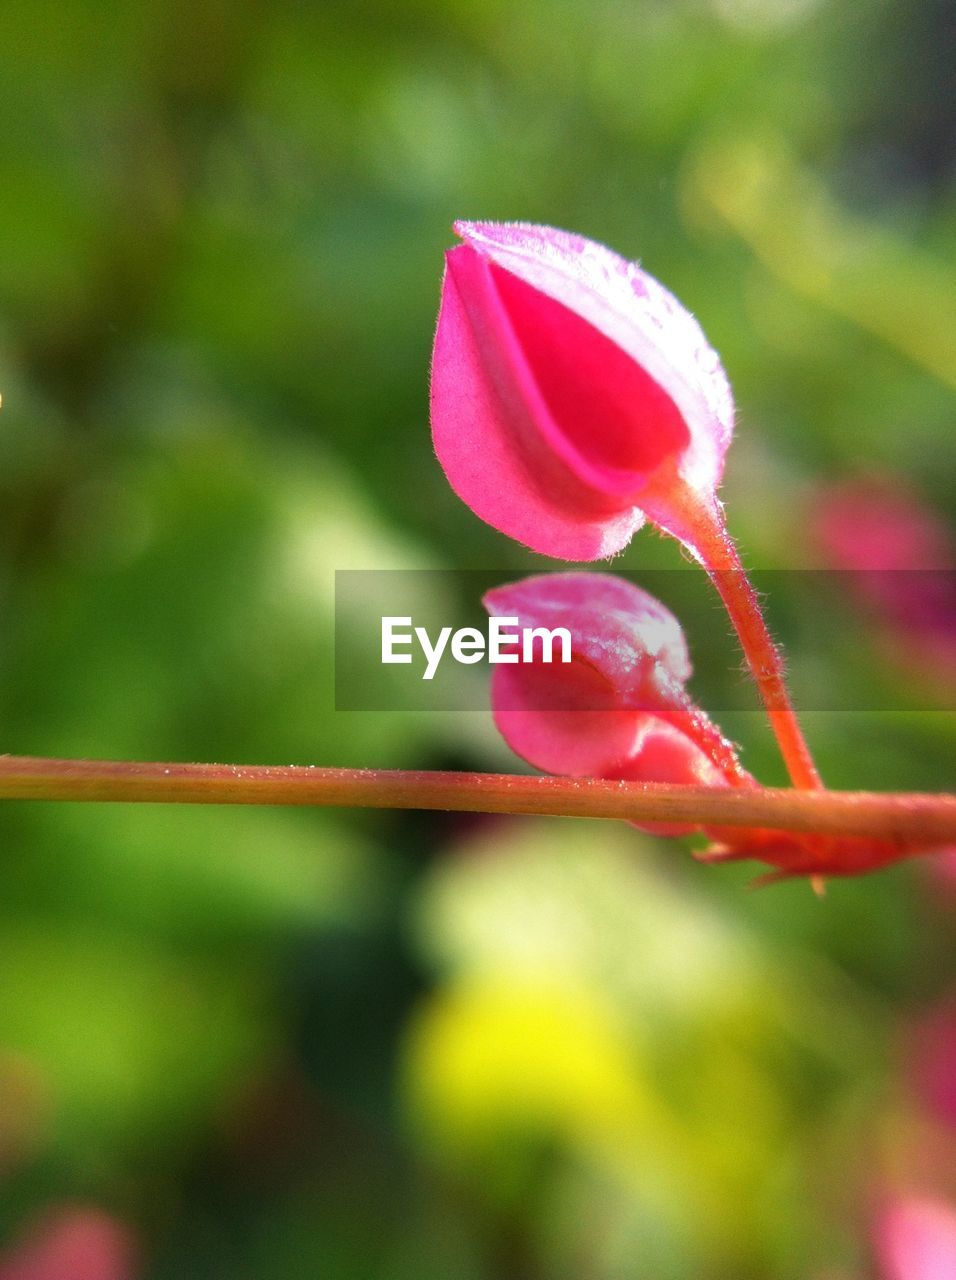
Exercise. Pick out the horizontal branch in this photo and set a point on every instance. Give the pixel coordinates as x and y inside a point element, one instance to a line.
<point>928,820</point>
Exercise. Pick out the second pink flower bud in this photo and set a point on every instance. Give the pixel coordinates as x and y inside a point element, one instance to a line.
<point>619,709</point>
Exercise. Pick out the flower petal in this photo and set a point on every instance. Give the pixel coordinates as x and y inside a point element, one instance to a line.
<point>620,630</point>
<point>586,717</point>
<point>488,443</point>
<point>637,313</point>
<point>563,719</point>
<point>607,417</point>
<point>664,754</point>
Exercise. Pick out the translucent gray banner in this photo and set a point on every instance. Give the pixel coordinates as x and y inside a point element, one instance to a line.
<point>854,641</point>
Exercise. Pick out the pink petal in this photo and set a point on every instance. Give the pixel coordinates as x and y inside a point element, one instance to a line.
<point>609,712</point>
<point>638,315</point>
<point>552,717</point>
<point>605,415</point>
<point>664,754</point>
<point>620,630</point>
<point>585,718</point>
<point>486,415</point>
<point>916,1240</point>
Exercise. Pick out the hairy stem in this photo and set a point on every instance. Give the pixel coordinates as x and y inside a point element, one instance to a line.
<point>926,821</point>
<point>707,536</point>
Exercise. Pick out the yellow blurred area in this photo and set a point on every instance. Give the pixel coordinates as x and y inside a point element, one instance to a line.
<point>491,1056</point>
<point>798,230</point>
<point>588,1007</point>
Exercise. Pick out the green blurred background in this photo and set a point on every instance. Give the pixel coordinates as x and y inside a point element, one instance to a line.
<point>293,1044</point>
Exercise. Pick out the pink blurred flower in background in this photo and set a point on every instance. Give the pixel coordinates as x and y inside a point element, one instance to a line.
<point>901,563</point>
<point>931,1061</point>
<point>899,558</point>
<point>874,522</point>
<point>916,1240</point>
<point>75,1242</point>
<point>571,395</point>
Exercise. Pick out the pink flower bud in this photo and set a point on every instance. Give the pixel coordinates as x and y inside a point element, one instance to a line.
<point>572,396</point>
<point>618,709</point>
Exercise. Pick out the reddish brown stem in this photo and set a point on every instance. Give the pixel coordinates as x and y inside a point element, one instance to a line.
<point>926,821</point>
<point>707,536</point>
